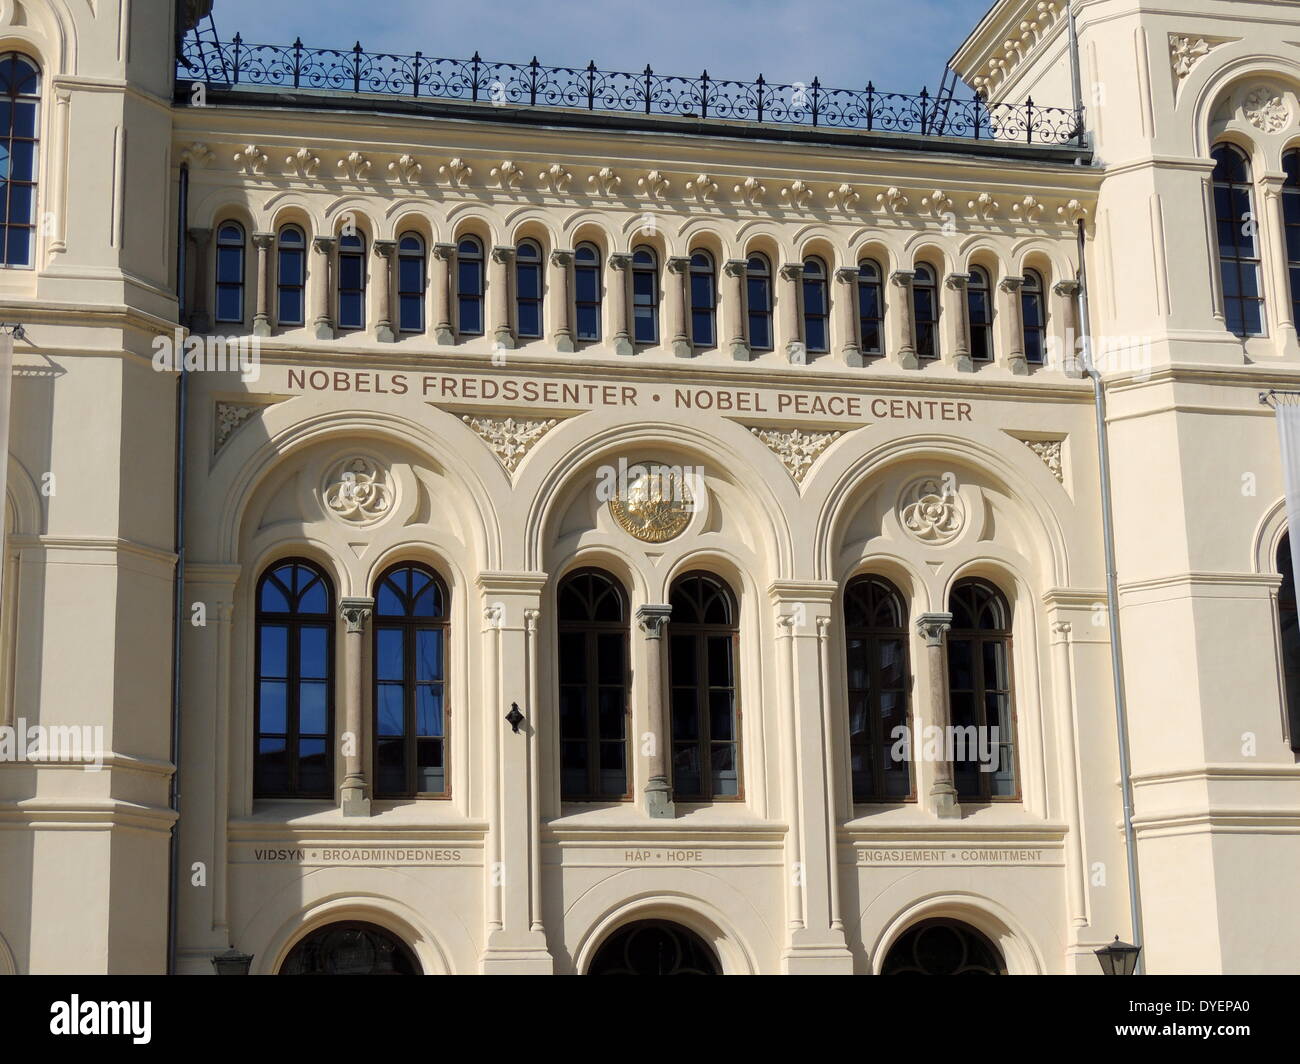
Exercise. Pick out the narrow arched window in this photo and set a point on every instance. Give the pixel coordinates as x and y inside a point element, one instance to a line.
<point>645,296</point>
<point>469,286</point>
<point>230,273</point>
<point>294,696</point>
<point>703,300</point>
<point>1289,626</point>
<point>412,277</point>
<point>875,630</point>
<point>352,281</point>
<point>979,304</point>
<point>528,289</point>
<point>1291,224</point>
<point>586,292</point>
<point>979,692</point>
<point>925,304</point>
<point>871,308</point>
<point>20,91</point>
<point>410,668</point>
<point>291,275</point>
<point>1237,227</point>
<point>702,652</point>
<point>1033,312</point>
<point>592,611</point>
<point>816,309</point>
<point>758,282</point>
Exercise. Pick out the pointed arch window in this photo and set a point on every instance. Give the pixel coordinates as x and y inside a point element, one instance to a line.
<point>20,97</point>
<point>871,307</point>
<point>412,278</point>
<point>1237,228</point>
<point>586,292</point>
<point>979,303</point>
<point>979,690</point>
<point>1033,311</point>
<point>645,296</point>
<point>758,282</point>
<point>925,303</point>
<point>528,289</point>
<point>469,286</point>
<point>879,679</point>
<point>816,308</point>
<point>703,300</point>
<point>230,273</point>
<point>291,275</point>
<point>1291,225</point>
<point>352,281</point>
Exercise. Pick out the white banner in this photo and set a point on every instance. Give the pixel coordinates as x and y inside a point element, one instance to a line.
<point>1288,430</point>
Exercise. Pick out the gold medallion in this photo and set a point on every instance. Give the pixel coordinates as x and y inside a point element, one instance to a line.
<point>655,505</point>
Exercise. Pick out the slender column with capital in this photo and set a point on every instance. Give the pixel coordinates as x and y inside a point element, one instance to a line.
<point>200,315</point>
<point>499,291</point>
<point>1068,291</point>
<point>384,254</point>
<point>791,274</point>
<point>620,263</point>
<point>264,242</point>
<point>322,320</point>
<point>1076,877</point>
<point>846,315</point>
<point>733,303</point>
<point>959,311</point>
<point>902,280</point>
<point>1010,288</point>
<point>652,619</point>
<point>934,628</point>
<point>356,613</point>
<point>675,304</point>
<point>561,309</point>
<point>1277,280</point>
<point>443,255</point>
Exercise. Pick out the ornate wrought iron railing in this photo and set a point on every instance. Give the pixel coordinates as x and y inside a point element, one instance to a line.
<point>422,77</point>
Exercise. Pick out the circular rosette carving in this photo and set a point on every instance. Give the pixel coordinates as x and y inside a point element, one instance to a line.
<point>359,491</point>
<point>1266,109</point>
<point>654,503</point>
<point>931,514</point>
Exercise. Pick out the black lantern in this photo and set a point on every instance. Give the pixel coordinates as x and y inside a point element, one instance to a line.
<point>232,962</point>
<point>1119,958</point>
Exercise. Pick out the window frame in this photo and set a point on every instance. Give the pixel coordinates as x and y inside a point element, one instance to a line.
<point>927,326</point>
<point>476,259</point>
<point>760,276</point>
<point>1290,209</point>
<point>591,270</point>
<point>534,262</point>
<point>647,270</point>
<point>353,253</point>
<point>412,297</point>
<point>703,308</point>
<point>814,280</point>
<point>1232,261</point>
<point>8,139</point>
<point>979,285</point>
<point>1033,305</point>
<point>1288,607</point>
<point>281,286</point>
<point>222,245</point>
<point>867,322</point>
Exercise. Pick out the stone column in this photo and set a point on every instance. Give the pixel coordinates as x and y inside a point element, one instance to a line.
<point>561,309</point>
<point>846,315</point>
<point>652,619</point>
<point>499,296</point>
<point>902,280</point>
<point>201,314</point>
<point>321,281</point>
<point>356,613</point>
<point>1067,751</point>
<point>264,242</point>
<point>792,318</point>
<point>1071,363</point>
<point>385,252</point>
<point>675,303</point>
<point>733,303</point>
<point>959,311</point>
<point>620,263</point>
<point>1010,288</point>
<point>934,628</point>
<point>1277,281</point>
<point>443,257</point>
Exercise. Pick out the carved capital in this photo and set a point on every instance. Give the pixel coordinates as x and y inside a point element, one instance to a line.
<point>444,252</point>
<point>679,264</point>
<point>263,241</point>
<point>652,619</point>
<point>735,267</point>
<point>957,281</point>
<point>1068,289</point>
<point>1011,284</point>
<point>620,260</point>
<point>356,613</point>
<point>933,627</point>
<point>323,244</point>
<point>200,237</point>
<point>847,275</point>
<point>502,254</point>
<point>791,271</point>
<point>385,248</point>
<point>903,278</point>
<point>562,257</point>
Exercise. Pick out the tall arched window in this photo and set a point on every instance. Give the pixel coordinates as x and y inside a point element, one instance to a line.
<point>592,611</point>
<point>871,308</point>
<point>352,281</point>
<point>1289,626</point>
<point>20,90</point>
<point>411,279</point>
<point>702,654</point>
<point>291,275</point>
<point>410,667</point>
<point>586,292</point>
<point>230,273</point>
<point>943,947</point>
<point>351,948</point>
<point>703,300</point>
<point>528,289</point>
<point>294,697</point>
<point>469,286</point>
<point>758,282</point>
<point>979,691</point>
<point>1237,226</point>
<point>925,304</point>
<point>816,308</point>
<point>979,303</point>
<point>1291,223</point>
<point>1033,311</point>
<point>875,629</point>
<point>645,296</point>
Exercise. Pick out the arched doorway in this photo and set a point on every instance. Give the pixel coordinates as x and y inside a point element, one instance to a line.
<point>654,947</point>
<point>943,947</point>
<point>351,948</point>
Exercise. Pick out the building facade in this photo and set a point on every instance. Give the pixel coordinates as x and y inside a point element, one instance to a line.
<point>661,538</point>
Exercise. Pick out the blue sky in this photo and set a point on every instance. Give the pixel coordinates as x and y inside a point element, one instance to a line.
<point>901,45</point>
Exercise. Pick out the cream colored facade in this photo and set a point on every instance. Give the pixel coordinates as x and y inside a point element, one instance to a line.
<point>486,453</point>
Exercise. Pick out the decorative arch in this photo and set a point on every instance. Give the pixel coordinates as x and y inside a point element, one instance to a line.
<point>1021,954</point>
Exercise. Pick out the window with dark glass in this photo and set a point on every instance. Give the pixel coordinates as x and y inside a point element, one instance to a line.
<point>592,611</point>
<point>291,275</point>
<point>586,292</point>
<point>411,280</point>
<point>469,286</point>
<point>1033,311</point>
<point>875,628</point>
<point>979,691</point>
<point>925,303</point>
<point>230,273</point>
<point>702,652</point>
<point>352,281</point>
<point>703,300</point>
<point>528,289</point>
<point>1289,626</point>
<point>20,91</point>
<point>871,308</point>
<point>758,282</point>
<point>410,668</point>
<point>1237,228</point>
<point>816,308</point>
<point>1291,225</point>
<point>294,697</point>
<point>979,303</point>
<point>645,296</point>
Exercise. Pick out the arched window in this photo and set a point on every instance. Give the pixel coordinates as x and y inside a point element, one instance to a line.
<point>979,302</point>
<point>20,84</point>
<point>586,292</point>
<point>979,691</point>
<point>1289,626</point>
<point>230,273</point>
<point>943,947</point>
<point>1291,223</point>
<point>702,655</point>
<point>352,281</point>
<point>875,628</point>
<point>703,299</point>
<point>411,279</point>
<point>1032,310</point>
<point>592,613</point>
<point>871,308</point>
<point>758,280</point>
<point>291,271</point>
<point>654,947</point>
<point>816,309</point>
<point>294,698</point>
<point>469,286</point>
<point>925,304</point>
<point>410,667</point>
<point>351,948</point>
<point>528,289</point>
<point>1237,226</point>
<point>645,296</point>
